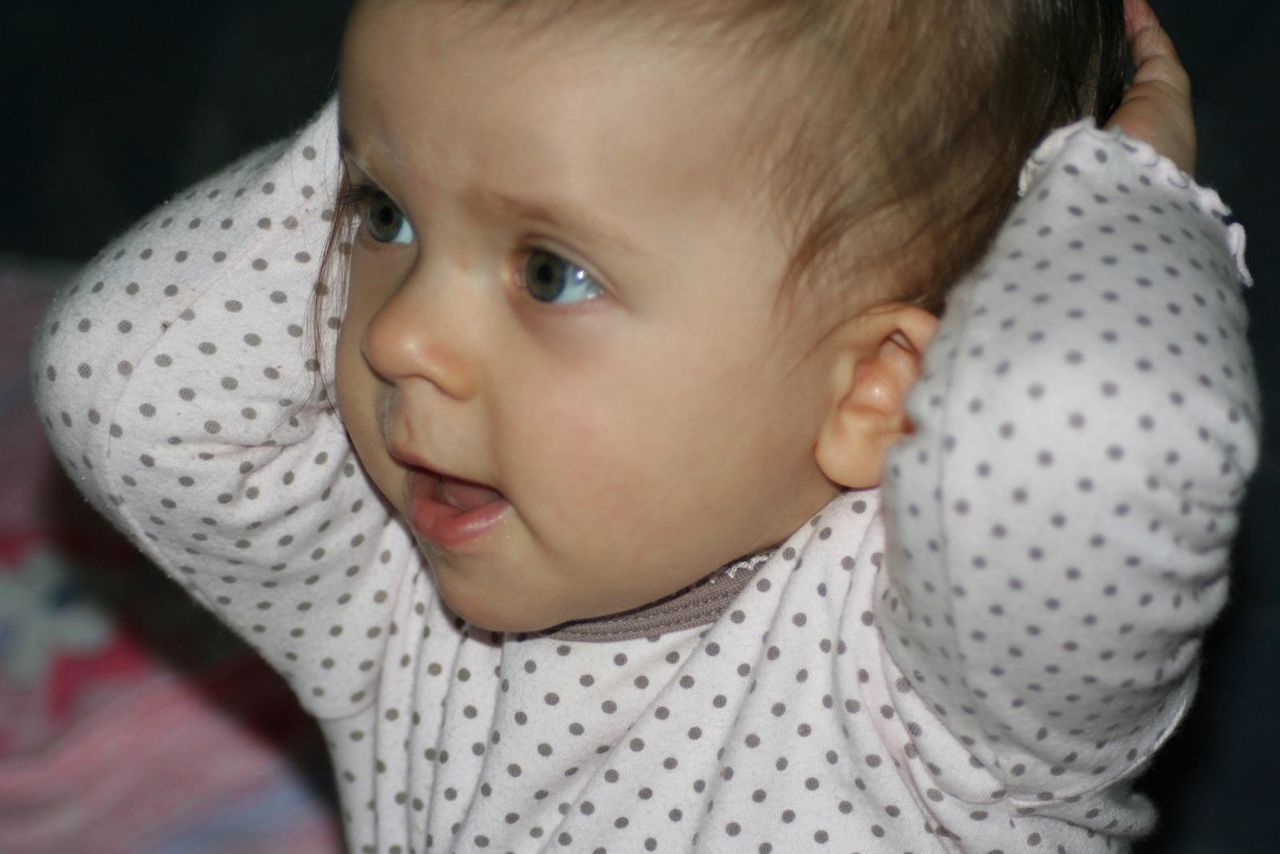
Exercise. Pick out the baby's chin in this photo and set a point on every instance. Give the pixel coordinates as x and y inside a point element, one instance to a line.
<point>500,607</point>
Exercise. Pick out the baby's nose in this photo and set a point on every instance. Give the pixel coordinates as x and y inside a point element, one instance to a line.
<point>419,333</point>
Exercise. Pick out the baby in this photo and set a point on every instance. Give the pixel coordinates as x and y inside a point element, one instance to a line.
<point>632,494</point>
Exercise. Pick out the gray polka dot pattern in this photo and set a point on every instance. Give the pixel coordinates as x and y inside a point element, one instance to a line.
<point>1088,420</point>
<point>987,681</point>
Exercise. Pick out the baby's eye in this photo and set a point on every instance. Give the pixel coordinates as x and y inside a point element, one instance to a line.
<point>554,280</point>
<point>385,222</point>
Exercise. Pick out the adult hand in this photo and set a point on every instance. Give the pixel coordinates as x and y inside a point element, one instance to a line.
<point>1157,106</point>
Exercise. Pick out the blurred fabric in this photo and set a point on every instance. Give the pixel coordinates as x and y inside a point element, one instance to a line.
<point>108,109</point>
<point>130,720</point>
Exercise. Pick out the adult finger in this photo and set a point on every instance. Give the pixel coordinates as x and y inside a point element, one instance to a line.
<point>1153,52</point>
<point>1157,106</point>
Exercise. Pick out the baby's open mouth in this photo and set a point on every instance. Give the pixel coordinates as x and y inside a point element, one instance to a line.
<point>463,495</point>
<point>451,512</point>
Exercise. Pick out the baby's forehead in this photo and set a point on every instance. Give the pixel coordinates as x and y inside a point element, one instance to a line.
<point>799,110</point>
<point>617,128</point>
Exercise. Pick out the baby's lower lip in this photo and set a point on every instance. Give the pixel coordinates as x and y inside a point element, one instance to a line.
<point>451,513</point>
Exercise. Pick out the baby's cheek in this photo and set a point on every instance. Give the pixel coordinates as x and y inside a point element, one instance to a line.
<point>357,407</point>
<point>346,363</point>
<point>574,472</point>
<point>353,408</point>
<point>377,464</point>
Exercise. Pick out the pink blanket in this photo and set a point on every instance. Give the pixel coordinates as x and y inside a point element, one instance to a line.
<point>129,720</point>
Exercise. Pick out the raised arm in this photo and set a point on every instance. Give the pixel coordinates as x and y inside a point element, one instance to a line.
<point>177,377</point>
<point>1061,520</point>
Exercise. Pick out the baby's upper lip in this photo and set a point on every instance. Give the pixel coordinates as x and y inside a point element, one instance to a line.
<point>409,458</point>
<point>417,461</point>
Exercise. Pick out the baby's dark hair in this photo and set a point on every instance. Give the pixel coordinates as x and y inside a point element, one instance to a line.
<point>923,113</point>
<point>902,150</point>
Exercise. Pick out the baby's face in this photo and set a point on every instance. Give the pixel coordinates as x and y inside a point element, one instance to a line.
<point>561,359</point>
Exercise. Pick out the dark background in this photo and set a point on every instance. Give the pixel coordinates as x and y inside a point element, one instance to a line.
<point>110,108</point>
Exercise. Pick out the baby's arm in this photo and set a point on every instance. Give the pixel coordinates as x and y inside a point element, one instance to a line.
<point>1060,521</point>
<point>174,379</point>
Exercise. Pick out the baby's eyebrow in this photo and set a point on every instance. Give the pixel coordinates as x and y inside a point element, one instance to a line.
<point>347,146</point>
<point>347,154</point>
<point>568,219</point>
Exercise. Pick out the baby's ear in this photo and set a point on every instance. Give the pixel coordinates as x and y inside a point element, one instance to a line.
<point>878,359</point>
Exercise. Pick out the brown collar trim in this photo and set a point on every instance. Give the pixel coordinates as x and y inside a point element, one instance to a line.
<point>697,605</point>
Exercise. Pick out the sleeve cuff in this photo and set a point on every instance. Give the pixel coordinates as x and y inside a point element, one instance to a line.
<point>1145,157</point>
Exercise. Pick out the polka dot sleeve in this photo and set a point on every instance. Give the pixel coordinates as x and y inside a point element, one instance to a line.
<point>1060,522</point>
<point>178,379</point>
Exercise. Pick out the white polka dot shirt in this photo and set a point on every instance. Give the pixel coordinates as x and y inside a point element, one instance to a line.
<point>979,657</point>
